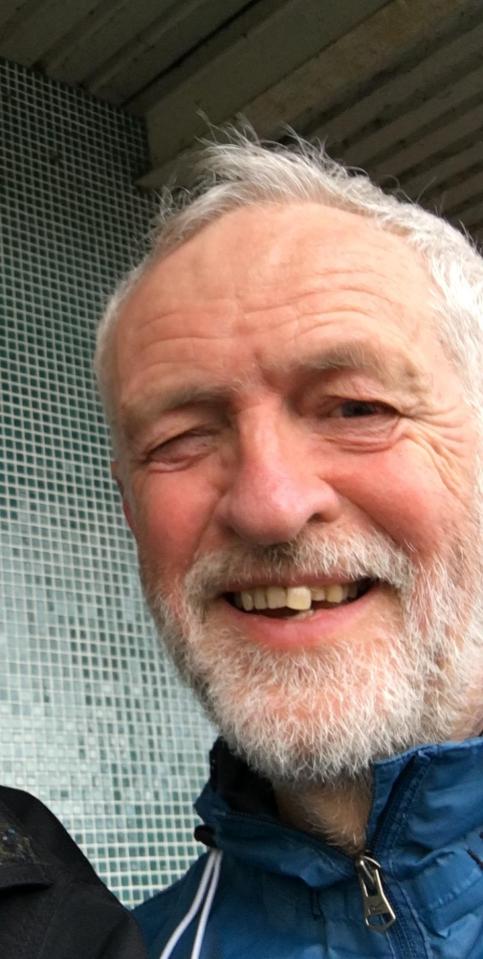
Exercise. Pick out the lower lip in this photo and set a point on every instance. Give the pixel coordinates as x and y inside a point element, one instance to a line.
<point>324,626</point>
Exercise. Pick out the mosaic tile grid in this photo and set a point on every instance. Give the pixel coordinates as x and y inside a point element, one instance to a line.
<point>92,719</point>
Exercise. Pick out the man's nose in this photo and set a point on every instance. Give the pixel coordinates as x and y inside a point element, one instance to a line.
<point>275,491</point>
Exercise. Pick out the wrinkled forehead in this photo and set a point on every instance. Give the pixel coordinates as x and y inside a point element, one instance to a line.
<point>280,269</point>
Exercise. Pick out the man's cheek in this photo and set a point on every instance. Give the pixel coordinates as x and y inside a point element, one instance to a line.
<point>167,533</point>
<point>448,458</point>
<point>405,502</point>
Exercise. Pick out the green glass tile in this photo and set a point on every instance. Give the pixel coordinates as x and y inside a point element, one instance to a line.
<point>93,720</point>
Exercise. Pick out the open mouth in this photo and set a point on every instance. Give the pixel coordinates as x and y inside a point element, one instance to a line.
<point>301,602</point>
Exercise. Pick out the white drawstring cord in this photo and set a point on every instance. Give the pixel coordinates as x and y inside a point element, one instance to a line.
<point>212,866</point>
<point>205,912</point>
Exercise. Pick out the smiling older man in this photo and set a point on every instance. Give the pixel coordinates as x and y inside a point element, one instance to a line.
<point>293,381</point>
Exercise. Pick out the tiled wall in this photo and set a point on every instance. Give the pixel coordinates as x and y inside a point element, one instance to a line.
<point>92,719</point>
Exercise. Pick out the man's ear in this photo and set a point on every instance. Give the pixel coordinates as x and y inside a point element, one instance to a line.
<point>116,475</point>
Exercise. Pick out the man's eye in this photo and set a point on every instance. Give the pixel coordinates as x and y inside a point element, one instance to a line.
<point>187,444</point>
<point>350,409</point>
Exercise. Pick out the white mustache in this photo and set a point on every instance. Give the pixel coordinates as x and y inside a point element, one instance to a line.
<point>353,556</point>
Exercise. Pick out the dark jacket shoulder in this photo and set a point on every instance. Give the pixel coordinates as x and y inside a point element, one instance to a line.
<point>52,903</point>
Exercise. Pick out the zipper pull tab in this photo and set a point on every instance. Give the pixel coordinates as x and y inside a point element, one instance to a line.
<point>378,912</point>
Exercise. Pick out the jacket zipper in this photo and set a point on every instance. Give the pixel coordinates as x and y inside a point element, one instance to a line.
<point>379,915</point>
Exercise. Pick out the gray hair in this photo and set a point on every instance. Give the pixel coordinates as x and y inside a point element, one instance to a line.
<point>245,172</point>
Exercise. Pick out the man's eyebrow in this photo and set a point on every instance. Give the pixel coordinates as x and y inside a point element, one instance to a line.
<point>390,368</point>
<point>394,369</point>
<point>144,409</point>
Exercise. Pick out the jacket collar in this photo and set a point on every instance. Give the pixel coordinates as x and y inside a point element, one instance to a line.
<point>20,865</point>
<point>415,797</point>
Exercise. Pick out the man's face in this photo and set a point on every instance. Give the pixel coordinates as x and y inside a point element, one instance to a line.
<point>292,435</point>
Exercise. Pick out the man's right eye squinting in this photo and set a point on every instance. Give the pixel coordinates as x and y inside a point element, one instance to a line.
<point>180,450</point>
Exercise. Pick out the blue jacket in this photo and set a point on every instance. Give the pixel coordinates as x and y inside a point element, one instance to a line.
<point>266,891</point>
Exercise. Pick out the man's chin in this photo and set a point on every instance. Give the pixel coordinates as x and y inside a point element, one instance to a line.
<point>314,715</point>
<point>298,721</point>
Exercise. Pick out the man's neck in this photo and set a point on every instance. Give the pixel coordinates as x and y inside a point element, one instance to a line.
<point>337,813</point>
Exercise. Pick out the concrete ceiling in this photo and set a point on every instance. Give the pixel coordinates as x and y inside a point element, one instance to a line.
<point>393,86</point>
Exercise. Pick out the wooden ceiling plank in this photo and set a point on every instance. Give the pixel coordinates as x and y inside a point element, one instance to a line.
<point>454,198</point>
<point>175,120</point>
<point>205,54</point>
<point>398,88</point>
<point>10,10</point>
<point>178,170</point>
<point>83,51</point>
<point>414,187</point>
<point>431,144</point>
<point>341,70</point>
<point>49,21</point>
<point>153,51</point>
<point>472,216</point>
<point>436,175</point>
<point>369,149</point>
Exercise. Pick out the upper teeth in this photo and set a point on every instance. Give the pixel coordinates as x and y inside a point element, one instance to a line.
<point>294,597</point>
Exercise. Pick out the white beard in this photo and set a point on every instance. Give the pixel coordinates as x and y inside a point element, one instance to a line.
<point>319,716</point>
